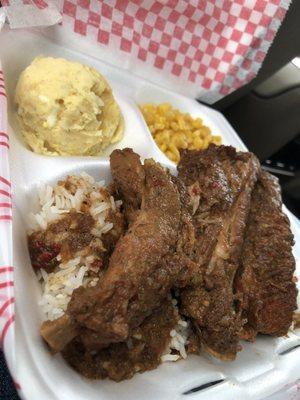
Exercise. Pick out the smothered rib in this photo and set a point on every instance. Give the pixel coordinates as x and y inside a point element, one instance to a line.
<point>220,182</point>
<point>130,288</point>
<point>120,361</point>
<point>136,256</point>
<point>128,180</point>
<point>265,285</point>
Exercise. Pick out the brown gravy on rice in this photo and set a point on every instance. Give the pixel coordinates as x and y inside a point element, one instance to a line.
<point>152,267</point>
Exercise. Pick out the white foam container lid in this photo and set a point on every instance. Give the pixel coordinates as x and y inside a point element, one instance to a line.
<point>260,369</point>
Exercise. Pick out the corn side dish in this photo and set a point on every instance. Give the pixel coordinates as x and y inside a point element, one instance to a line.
<point>173,130</point>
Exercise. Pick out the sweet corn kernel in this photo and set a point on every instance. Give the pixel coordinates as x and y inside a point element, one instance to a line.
<point>198,123</point>
<point>179,141</point>
<point>174,150</point>
<point>159,126</point>
<point>198,143</point>
<point>163,147</point>
<point>217,140</point>
<point>173,130</point>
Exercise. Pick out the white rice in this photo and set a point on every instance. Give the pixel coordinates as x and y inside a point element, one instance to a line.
<point>55,202</point>
<point>176,348</point>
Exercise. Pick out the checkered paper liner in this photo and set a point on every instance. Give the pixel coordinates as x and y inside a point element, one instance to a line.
<point>7,299</point>
<point>201,48</point>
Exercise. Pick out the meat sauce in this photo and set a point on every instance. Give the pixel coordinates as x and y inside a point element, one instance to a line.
<point>67,236</point>
<point>141,352</point>
<point>70,235</point>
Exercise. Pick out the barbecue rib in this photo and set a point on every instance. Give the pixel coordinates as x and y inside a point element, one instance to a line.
<point>143,267</point>
<point>220,182</point>
<point>265,284</point>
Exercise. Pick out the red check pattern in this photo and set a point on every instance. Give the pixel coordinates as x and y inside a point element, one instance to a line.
<point>5,185</point>
<point>7,299</point>
<point>212,45</point>
<point>201,48</point>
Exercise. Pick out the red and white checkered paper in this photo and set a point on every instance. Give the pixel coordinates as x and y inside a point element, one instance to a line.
<point>200,48</point>
<point>7,299</point>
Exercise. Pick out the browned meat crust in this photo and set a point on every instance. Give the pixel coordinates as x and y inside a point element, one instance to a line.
<point>59,333</point>
<point>296,320</point>
<point>265,283</point>
<point>225,180</point>
<point>110,239</point>
<point>140,353</point>
<point>129,180</point>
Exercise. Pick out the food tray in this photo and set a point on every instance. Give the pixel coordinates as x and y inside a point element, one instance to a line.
<point>259,370</point>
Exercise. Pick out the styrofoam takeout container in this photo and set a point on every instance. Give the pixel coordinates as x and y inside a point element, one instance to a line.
<point>259,370</point>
